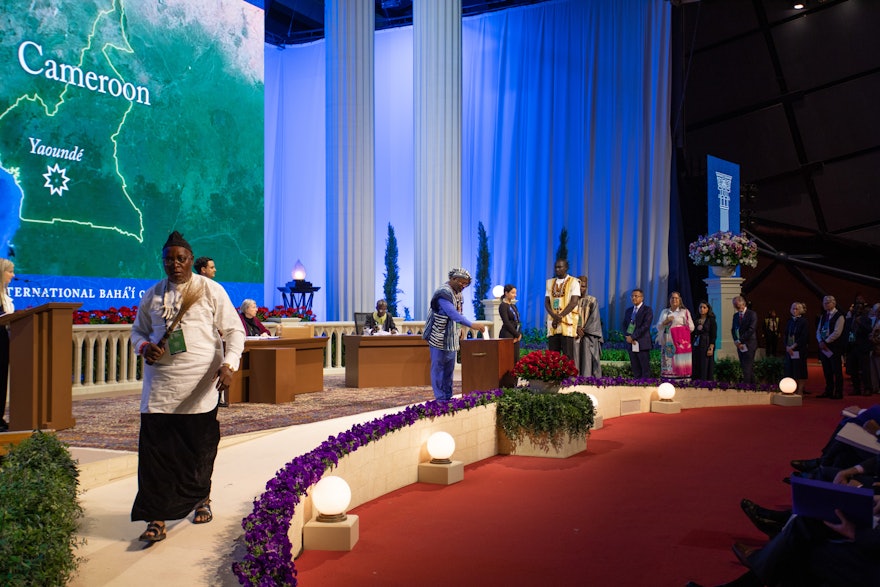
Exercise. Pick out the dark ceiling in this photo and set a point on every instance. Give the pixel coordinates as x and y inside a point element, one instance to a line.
<point>792,96</point>
<point>290,22</point>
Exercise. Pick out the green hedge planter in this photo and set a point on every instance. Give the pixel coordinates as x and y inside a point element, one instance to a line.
<point>546,420</point>
<point>39,512</point>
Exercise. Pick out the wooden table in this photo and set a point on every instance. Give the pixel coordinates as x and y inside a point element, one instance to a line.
<point>275,370</point>
<point>396,360</point>
<point>486,364</point>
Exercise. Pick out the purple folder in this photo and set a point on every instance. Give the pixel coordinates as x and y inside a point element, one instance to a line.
<point>818,499</point>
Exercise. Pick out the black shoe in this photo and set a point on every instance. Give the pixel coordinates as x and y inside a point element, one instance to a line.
<point>805,465</point>
<point>751,508</point>
<point>770,522</point>
<point>812,475</point>
<point>692,584</point>
<point>4,427</point>
<point>223,404</point>
<point>825,395</point>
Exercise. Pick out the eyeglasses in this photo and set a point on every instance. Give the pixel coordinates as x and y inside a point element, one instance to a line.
<point>180,259</point>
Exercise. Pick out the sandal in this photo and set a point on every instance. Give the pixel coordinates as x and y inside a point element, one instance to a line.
<point>155,532</point>
<point>203,513</point>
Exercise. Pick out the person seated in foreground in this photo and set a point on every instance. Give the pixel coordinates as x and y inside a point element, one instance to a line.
<point>248,314</point>
<point>837,455</point>
<point>808,551</point>
<point>380,320</point>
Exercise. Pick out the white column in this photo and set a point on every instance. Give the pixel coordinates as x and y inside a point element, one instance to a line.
<point>437,121</point>
<point>351,281</point>
<point>491,308</point>
<point>721,291</point>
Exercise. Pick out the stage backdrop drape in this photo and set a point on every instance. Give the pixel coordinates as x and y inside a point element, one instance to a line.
<point>565,125</point>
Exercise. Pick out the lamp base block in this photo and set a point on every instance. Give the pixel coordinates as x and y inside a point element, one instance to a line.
<point>598,422</point>
<point>441,474</point>
<point>332,535</point>
<point>661,407</point>
<point>786,399</point>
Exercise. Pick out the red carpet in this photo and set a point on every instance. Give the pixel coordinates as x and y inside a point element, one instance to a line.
<point>653,501</point>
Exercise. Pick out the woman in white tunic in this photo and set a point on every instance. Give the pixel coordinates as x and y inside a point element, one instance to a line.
<point>674,329</point>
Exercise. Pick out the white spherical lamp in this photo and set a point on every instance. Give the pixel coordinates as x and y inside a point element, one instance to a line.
<point>666,391</point>
<point>331,496</point>
<point>788,385</point>
<point>441,445</point>
<point>498,291</point>
<point>594,400</point>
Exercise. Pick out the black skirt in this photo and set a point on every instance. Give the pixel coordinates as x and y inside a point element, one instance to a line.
<point>176,455</point>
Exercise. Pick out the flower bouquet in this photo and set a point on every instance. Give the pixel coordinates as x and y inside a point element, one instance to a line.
<point>724,249</point>
<point>123,315</point>
<point>305,315</point>
<point>548,366</point>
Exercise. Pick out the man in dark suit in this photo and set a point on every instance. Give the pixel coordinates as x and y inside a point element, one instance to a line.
<point>808,551</point>
<point>745,337</point>
<point>637,324</point>
<point>832,344</point>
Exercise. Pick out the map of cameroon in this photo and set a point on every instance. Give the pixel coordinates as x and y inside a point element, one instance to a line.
<point>65,153</point>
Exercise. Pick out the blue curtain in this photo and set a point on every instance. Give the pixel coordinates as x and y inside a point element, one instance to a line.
<point>565,125</point>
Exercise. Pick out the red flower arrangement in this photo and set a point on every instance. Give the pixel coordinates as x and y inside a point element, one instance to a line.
<point>547,366</point>
<point>302,313</point>
<point>123,315</point>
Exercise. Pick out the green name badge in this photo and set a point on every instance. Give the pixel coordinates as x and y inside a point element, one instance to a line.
<point>631,328</point>
<point>176,342</point>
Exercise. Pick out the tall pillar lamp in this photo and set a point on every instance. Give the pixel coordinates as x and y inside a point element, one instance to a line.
<point>298,293</point>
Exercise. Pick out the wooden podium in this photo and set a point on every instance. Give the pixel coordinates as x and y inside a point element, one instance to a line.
<point>275,370</point>
<point>395,360</point>
<point>486,364</point>
<point>41,367</point>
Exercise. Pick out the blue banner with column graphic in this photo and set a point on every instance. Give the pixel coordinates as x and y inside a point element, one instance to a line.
<point>722,189</point>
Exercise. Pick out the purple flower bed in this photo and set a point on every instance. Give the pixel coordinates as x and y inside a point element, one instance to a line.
<point>269,560</point>
<point>652,381</point>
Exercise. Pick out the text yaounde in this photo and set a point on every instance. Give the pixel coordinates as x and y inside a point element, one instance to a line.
<point>30,53</point>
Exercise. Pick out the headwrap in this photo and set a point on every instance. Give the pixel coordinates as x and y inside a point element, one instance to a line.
<point>175,239</point>
<point>459,272</point>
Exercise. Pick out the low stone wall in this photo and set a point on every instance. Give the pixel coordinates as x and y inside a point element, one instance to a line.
<point>393,461</point>
<point>613,402</point>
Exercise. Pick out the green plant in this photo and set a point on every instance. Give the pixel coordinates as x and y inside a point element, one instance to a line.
<point>39,512</point>
<point>728,370</point>
<point>534,339</point>
<point>547,419</point>
<point>768,370</point>
<point>624,371</point>
<point>481,287</point>
<point>614,355</point>
<point>655,362</point>
<point>392,271</point>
